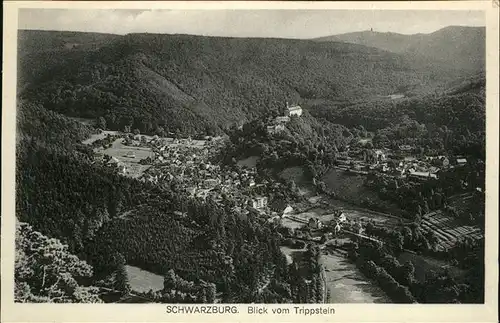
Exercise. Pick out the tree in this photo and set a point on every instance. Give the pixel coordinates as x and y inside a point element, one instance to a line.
<point>46,272</point>
<point>398,240</point>
<point>160,131</point>
<point>170,280</point>
<point>101,123</point>
<point>121,276</point>
<point>433,239</point>
<point>419,210</point>
<point>210,292</point>
<point>408,273</point>
<point>369,229</point>
<point>426,207</point>
<point>407,236</point>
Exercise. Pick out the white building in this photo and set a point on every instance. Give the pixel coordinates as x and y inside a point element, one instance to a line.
<point>294,110</point>
<point>287,210</point>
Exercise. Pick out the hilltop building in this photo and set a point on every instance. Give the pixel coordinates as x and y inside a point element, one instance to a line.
<point>275,129</point>
<point>281,120</point>
<point>293,110</point>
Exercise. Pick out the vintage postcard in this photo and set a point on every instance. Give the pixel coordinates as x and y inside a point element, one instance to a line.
<point>250,161</point>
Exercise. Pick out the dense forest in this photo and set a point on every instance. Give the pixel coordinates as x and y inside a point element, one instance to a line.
<point>199,84</point>
<point>452,121</point>
<point>379,262</point>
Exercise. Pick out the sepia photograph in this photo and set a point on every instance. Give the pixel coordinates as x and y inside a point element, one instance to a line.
<point>282,156</point>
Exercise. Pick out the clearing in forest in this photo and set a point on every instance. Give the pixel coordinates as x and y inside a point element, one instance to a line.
<point>142,281</point>
<point>249,162</point>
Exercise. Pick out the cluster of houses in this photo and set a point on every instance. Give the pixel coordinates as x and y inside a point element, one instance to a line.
<point>190,168</point>
<point>399,163</point>
<point>339,218</point>
<point>159,148</point>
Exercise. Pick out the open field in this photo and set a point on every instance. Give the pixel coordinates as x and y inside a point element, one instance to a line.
<point>290,223</point>
<point>249,162</point>
<point>448,229</point>
<point>351,187</point>
<point>347,185</point>
<point>142,281</point>
<point>119,151</point>
<point>346,284</point>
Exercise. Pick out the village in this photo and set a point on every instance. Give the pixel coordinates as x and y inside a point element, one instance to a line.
<point>362,158</point>
<point>186,164</point>
<point>400,163</point>
<point>190,166</point>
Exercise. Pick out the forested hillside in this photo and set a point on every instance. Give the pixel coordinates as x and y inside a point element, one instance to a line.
<point>36,122</point>
<point>204,84</point>
<point>454,119</point>
<point>84,214</point>
<point>464,46</point>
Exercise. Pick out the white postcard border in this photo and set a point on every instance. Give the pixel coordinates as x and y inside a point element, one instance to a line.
<point>157,313</point>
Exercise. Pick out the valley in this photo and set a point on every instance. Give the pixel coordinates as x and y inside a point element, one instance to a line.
<point>177,168</point>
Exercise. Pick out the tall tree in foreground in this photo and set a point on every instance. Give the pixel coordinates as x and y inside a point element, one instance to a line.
<point>121,277</point>
<point>46,272</point>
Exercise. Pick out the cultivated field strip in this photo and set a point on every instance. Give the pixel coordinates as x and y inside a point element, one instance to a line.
<point>448,230</point>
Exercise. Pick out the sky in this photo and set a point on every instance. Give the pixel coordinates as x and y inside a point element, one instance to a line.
<point>246,23</point>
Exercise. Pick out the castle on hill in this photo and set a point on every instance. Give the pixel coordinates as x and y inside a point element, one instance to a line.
<point>292,110</point>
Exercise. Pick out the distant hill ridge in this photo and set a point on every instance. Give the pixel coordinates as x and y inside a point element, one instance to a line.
<point>461,45</point>
<point>197,84</point>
